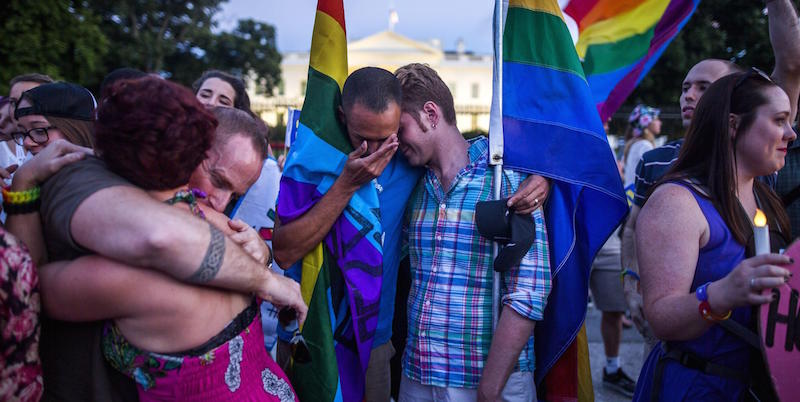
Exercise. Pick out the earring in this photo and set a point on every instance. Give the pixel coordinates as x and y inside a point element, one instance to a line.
<point>433,126</point>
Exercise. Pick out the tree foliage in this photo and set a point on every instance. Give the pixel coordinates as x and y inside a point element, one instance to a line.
<point>146,32</point>
<point>82,40</point>
<point>60,38</point>
<point>249,48</point>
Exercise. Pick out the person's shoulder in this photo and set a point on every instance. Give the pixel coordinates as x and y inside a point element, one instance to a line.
<point>89,165</point>
<point>667,151</point>
<point>672,195</point>
<point>642,146</point>
<point>478,147</point>
<point>89,173</point>
<point>673,210</point>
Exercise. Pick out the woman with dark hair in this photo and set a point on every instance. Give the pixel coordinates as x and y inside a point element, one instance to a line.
<point>218,88</point>
<point>178,342</point>
<point>700,281</point>
<point>60,110</point>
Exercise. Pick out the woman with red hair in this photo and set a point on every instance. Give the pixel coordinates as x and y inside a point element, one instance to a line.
<point>177,341</point>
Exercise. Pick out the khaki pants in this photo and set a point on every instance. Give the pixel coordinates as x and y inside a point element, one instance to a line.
<point>519,388</point>
<point>379,374</point>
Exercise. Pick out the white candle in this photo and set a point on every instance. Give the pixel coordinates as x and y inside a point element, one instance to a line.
<point>761,233</point>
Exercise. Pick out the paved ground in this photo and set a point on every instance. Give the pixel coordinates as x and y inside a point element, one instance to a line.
<point>630,354</point>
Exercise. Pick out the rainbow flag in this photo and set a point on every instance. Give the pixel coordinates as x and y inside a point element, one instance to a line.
<point>341,278</point>
<point>545,122</point>
<point>619,41</point>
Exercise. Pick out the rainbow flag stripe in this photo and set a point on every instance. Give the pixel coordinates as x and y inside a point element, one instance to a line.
<point>341,278</point>
<point>619,41</point>
<point>551,127</point>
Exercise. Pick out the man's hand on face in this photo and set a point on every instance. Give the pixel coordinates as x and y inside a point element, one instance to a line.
<point>361,168</point>
<point>530,195</point>
<point>47,162</point>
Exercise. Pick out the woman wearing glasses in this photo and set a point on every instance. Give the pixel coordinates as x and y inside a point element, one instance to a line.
<point>50,112</point>
<point>700,281</point>
<point>177,341</point>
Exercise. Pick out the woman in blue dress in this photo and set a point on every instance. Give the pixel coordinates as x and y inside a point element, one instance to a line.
<point>699,288</point>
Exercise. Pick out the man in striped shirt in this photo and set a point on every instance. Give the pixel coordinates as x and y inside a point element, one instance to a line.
<point>451,353</point>
<point>785,39</point>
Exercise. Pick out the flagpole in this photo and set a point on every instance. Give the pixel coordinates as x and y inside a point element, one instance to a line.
<point>496,153</point>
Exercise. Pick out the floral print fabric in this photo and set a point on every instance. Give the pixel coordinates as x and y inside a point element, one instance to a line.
<point>238,370</point>
<point>20,368</point>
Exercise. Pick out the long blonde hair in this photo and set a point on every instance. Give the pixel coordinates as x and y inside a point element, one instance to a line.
<point>630,139</point>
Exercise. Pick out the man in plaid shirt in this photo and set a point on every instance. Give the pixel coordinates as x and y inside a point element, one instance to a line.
<point>451,353</point>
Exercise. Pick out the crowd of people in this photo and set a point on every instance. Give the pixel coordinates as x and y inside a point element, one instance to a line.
<point>125,273</point>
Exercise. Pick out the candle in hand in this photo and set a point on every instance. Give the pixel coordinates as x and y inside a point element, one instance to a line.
<point>761,233</point>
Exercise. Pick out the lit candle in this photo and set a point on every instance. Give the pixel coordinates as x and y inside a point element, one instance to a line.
<point>761,233</point>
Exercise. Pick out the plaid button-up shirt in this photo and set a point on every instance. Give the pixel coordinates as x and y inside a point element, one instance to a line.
<point>449,306</point>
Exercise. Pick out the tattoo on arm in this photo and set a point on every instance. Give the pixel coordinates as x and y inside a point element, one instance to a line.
<point>212,261</point>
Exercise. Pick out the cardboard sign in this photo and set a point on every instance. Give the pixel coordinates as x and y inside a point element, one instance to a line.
<point>779,328</point>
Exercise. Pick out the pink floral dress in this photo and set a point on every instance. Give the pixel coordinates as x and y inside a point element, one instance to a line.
<point>20,368</point>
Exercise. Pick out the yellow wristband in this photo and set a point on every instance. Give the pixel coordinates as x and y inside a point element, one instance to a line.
<point>21,197</point>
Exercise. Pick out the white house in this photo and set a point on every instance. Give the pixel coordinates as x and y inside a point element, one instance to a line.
<point>468,75</point>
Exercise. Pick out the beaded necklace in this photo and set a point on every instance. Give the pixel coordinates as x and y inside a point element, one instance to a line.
<point>190,197</point>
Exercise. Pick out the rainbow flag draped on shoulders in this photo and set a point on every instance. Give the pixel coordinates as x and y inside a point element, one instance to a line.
<point>619,41</point>
<point>341,278</point>
<point>551,127</point>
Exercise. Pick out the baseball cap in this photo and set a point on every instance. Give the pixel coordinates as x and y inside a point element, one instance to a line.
<point>59,99</point>
<point>515,233</point>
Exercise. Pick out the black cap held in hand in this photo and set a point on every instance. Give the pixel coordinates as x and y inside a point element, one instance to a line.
<point>515,233</point>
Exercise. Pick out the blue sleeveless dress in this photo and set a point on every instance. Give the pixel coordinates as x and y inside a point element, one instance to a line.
<point>716,259</point>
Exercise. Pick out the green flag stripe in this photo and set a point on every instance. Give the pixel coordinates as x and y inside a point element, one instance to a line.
<point>321,110</point>
<point>607,57</point>
<point>554,48</point>
<point>318,381</point>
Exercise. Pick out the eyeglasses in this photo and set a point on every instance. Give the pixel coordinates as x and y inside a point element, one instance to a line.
<point>752,72</point>
<point>38,135</point>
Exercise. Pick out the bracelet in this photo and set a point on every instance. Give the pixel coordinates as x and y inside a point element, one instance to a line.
<point>705,308</point>
<point>21,197</point>
<point>26,208</point>
<point>630,273</point>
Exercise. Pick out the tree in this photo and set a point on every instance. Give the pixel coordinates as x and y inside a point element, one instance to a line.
<point>60,38</point>
<point>250,48</point>
<point>175,39</point>
<point>144,33</point>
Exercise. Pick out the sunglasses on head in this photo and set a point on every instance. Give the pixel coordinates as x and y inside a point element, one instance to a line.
<point>752,72</point>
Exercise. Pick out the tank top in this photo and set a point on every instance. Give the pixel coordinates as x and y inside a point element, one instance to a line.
<point>715,260</point>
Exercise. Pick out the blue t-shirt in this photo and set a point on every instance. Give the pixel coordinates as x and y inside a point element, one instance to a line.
<point>394,189</point>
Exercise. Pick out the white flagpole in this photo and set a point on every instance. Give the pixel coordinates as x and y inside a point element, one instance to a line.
<point>496,137</point>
